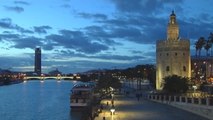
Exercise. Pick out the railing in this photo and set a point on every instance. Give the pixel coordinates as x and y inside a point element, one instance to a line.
<point>183,99</point>
<point>81,96</point>
<point>48,77</point>
<point>198,105</point>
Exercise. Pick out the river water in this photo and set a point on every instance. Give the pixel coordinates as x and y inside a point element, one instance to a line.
<point>35,100</point>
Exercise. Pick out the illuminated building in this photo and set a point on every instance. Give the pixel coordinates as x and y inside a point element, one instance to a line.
<point>202,68</point>
<point>172,54</point>
<point>37,67</point>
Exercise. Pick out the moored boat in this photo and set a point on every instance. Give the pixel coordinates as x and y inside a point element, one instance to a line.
<point>81,96</point>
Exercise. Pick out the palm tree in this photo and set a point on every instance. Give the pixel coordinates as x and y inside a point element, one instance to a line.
<point>200,44</point>
<point>210,38</point>
<point>207,46</point>
<point>196,47</point>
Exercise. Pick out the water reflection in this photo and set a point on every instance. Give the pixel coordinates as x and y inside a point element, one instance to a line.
<point>34,100</point>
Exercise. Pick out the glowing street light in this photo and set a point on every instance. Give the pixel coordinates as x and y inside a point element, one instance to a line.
<point>112,109</point>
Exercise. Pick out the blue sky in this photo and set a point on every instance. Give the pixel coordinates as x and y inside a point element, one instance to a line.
<point>81,35</point>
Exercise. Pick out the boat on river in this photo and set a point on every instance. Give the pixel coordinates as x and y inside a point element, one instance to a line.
<point>81,96</point>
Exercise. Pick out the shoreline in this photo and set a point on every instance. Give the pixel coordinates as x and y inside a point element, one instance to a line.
<point>11,82</point>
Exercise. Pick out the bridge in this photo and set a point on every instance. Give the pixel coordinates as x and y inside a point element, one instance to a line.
<point>49,77</point>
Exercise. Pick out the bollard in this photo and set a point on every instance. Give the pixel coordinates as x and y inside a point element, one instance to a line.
<point>193,101</point>
<point>170,99</point>
<point>199,101</point>
<point>164,98</point>
<point>180,99</point>
<point>175,98</point>
<point>207,101</point>
<point>159,97</point>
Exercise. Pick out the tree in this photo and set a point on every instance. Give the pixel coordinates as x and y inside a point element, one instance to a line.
<point>5,79</point>
<point>175,84</point>
<point>196,47</point>
<point>210,38</point>
<point>107,81</point>
<point>207,46</point>
<point>200,44</point>
<point>85,78</point>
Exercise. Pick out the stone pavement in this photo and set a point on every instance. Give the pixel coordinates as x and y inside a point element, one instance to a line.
<point>130,108</point>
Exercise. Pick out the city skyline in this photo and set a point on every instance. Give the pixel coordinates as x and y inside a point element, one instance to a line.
<point>78,35</point>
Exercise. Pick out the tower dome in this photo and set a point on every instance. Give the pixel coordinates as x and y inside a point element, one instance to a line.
<point>173,13</point>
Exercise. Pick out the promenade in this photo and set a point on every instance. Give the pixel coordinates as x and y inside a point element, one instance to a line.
<point>130,108</point>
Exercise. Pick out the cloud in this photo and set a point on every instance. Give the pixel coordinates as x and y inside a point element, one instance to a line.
<point>6,23</point>
<point>76,40</point>
<point>66,6</point>
<point>135,28</point>
<point>23,30</point>
<point>100,57</point>
<point>27,42</point>
<point>136,52</point>
<point>21,2</point>
<point>9,36</point>
<point>196,29</point>
<point>143,6</point>
<point>41,29</point>
<point>9,62</point>
<point>92,16</point>
<point>14,8</point>
<point>99,33</point>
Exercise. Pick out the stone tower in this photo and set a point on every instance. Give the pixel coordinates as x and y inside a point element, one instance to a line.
<point>172,54</point>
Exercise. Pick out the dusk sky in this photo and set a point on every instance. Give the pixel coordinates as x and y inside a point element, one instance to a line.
<point>80,35</point>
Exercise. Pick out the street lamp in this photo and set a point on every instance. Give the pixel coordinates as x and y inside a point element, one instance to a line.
<point>112,109</point>
<point>194,87</point>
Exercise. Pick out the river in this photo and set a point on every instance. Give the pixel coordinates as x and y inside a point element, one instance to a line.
<point>35,100</point>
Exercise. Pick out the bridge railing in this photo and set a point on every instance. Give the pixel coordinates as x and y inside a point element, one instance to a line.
<point>48,77</point>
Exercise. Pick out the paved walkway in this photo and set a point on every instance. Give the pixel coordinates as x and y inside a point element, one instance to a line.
<point>129,108</point>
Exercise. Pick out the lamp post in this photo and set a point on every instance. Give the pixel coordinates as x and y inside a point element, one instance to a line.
<point>194,87</point>
<point>112,111</point>
<point>112,96</point>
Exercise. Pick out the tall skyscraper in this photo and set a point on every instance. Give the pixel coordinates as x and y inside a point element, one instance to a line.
<point>37,67</point>
<point>172,54</point>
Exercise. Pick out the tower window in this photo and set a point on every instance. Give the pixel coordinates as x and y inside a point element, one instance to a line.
<point>167,68</point>
<point>184,68</point>
<point>175,54</point>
